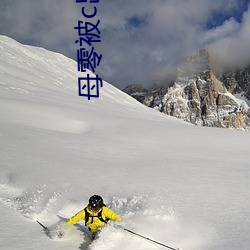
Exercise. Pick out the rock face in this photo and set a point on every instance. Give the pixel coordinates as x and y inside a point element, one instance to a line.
<point>237,81</point>
<point>137,91</point>
<point>201,97</point>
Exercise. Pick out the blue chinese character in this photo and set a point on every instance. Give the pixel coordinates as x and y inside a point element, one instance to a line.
<point>85,1</point>
<point>89,86</point>
<point>87,31</point>
<point>86,60</point>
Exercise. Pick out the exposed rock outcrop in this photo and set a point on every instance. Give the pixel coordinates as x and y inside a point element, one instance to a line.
<point>201,97</point>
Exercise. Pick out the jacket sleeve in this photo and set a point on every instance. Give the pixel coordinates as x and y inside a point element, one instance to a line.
<point>77,217</point>
<point>111,215</point>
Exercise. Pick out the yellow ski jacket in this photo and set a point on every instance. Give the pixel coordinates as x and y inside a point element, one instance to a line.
<point>94,223</point>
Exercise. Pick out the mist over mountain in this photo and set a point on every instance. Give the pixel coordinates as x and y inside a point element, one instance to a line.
<point>203,93</point>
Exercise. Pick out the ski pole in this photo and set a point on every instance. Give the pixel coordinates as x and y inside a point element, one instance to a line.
<point>45,228</point>
<point>146,238</point>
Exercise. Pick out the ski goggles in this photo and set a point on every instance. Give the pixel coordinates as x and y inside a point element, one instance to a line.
<point>94,208</point>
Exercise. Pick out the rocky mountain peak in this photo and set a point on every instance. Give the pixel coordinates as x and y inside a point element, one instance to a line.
<point>202,97</point>
<point>196,64</point>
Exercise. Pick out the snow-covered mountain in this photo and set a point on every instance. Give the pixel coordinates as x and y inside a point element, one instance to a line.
<point>201,96</point>
<point>237,81</point>
<point>182,185</point>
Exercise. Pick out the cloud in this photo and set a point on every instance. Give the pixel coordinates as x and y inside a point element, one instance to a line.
<point>228,28</point>
<point>233,49</point>
<point>46,23</point>
<point>141,40</point>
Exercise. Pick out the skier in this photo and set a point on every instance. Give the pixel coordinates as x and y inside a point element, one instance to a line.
<point>95,214</point>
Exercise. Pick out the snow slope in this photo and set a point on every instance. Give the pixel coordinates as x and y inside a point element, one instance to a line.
<point>176,183</point>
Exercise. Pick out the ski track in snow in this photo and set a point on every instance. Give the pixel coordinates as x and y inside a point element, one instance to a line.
<point>145,214</point>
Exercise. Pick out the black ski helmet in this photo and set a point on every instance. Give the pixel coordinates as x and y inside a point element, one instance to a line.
<point>96,202</point>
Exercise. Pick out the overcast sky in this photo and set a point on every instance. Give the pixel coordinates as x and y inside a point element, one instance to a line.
<point>141,40</point>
